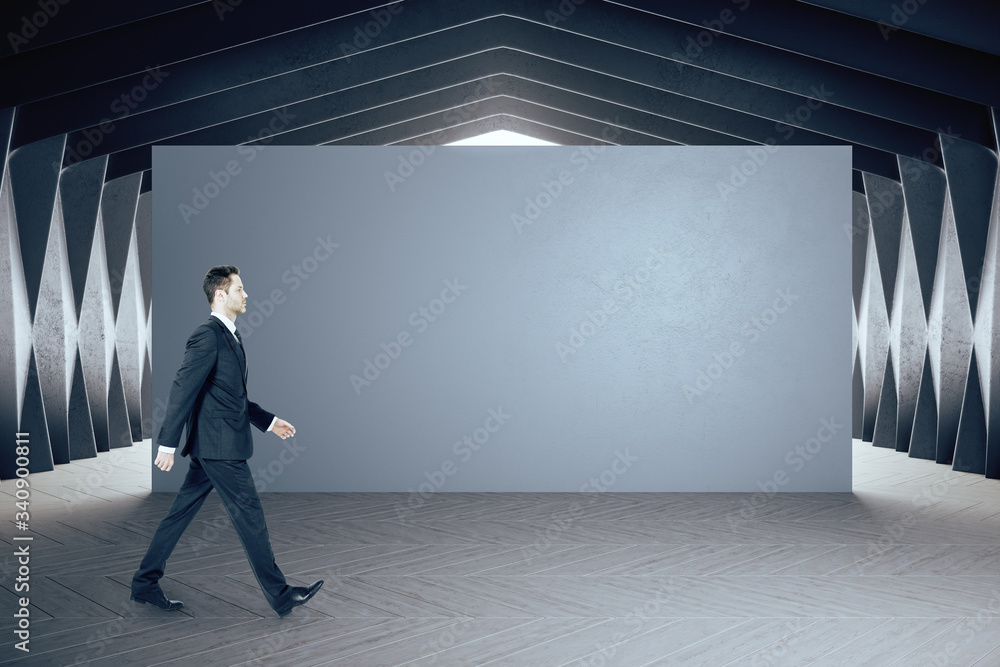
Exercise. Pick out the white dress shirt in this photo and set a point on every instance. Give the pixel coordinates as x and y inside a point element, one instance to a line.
<point>232,329</point>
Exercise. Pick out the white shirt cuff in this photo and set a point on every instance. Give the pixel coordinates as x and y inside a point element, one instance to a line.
<point>273,421</point>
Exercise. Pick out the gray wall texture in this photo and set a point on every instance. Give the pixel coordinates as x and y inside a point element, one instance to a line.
<point>523,319</point>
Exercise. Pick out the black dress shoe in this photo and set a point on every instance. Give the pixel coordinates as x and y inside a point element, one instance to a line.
<point>157,599</point>
<point>300,595</point>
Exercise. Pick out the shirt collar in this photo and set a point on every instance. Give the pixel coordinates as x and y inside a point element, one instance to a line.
<point>225,320</point>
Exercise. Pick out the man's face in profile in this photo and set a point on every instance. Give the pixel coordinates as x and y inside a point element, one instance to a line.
<point>235,299</point>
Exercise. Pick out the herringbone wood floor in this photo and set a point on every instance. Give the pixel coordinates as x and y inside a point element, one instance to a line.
<point>904,572</point>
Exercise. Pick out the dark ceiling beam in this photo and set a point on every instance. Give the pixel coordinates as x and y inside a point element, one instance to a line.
<point>436,111</point>
<point>786,25</point>
<point>169,40</point>
<point>625,60</point>
<point>465,130</point>
<point>529,128</point>
<point>743,110</point>
<point>68,20</point>
<point>589,129</point>
<point>848,41</point>
<point>801,113</point>
<point>135,161</point>
<point>312,58</point>
<point>647,120</point>
<point>438,108</point>
<point>210,117</point>
<point>789,113</point>
<point>224,70</point>
<point>233,116</point>
<point>526,120</point>
<point>352,130</point>
<point>971,23</point>
<point>443,108</point>
<point>682,122</point>
<point>772,67</point>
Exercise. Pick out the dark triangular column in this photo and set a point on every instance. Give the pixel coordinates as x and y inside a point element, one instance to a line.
<point>888,405</point>
<point>82,444</point>
<point>923,438</point>
<point>970,444</point>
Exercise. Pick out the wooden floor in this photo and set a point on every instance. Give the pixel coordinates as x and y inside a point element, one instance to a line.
<point>905,571</point>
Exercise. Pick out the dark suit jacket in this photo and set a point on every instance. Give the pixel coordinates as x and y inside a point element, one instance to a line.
<point>210,395</point>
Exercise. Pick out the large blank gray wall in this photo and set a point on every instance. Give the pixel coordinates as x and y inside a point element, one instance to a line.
<point>671,251</point>
<point>917,103</point>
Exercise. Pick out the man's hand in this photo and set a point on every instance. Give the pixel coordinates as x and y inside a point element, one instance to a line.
<point>283,429</point>
<point>164,461</point>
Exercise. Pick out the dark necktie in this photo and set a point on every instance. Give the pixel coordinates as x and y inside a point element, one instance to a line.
<point>239,339</point>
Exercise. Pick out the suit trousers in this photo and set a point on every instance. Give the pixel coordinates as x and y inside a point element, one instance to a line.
<point>235,485</point>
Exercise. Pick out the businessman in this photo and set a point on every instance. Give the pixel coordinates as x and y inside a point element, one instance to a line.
<point>209,394</point>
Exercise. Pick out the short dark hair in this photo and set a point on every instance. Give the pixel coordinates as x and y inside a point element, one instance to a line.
<point>218,278</point>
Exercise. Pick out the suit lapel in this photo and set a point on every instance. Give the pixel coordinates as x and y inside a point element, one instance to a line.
<point>236,348</point>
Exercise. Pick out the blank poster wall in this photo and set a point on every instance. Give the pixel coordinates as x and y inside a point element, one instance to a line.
<point>523,319</point>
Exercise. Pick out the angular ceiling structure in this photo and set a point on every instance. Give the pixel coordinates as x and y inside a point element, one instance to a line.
<point>911,85</point>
